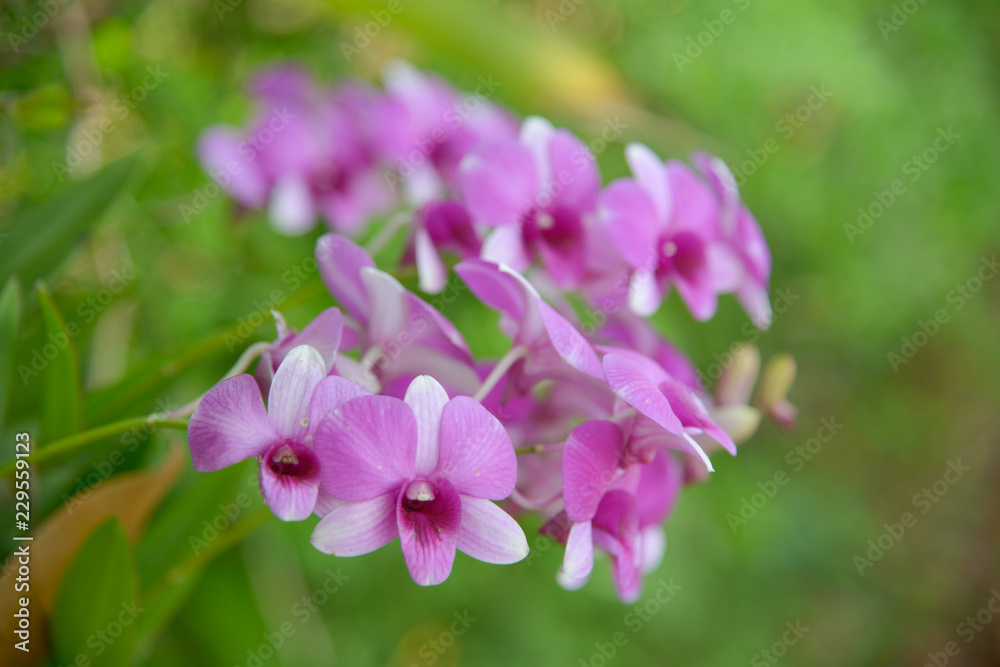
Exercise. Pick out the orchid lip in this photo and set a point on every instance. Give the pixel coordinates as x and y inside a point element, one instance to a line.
<point>286,459</point>
<point>418,492</point>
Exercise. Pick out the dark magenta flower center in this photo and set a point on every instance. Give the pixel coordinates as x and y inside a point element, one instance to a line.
<point>682,253</point>
<point>417,494</point>
<point>292,460</point>
<point>559,228</point>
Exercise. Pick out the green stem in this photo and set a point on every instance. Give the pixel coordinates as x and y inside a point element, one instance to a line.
<point>538,449</point>
<point>499,370</point>
<point>77,440</point>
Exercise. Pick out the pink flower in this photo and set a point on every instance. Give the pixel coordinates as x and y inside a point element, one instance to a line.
<point>614,502</point>
<point>424,469</point>
<point>626,329</point>
<point>538,193</point>
<point>301,157</point>
<point>670,415</point>
<point>742,232</point>
<point>552,346</point>
<point>430,126</point>
<point>665,223</point>
<point>322,334</point>
<point>440,226</point>
<point>401,336</point>
<point>231,424</point>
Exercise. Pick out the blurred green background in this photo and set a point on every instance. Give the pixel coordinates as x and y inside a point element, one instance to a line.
<point>818,106</point>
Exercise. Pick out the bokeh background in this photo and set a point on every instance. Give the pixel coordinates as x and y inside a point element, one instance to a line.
<point>868,87</point>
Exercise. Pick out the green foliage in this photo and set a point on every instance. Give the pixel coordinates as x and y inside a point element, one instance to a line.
<point>39,237</point>
<point>61,400</point>
<point>97,608</point>
<point>10,327</point>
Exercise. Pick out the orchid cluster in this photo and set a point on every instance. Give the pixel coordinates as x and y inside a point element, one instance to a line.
<point>379,420</point>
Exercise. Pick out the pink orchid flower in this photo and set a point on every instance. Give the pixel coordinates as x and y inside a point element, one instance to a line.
<point>424,469</point>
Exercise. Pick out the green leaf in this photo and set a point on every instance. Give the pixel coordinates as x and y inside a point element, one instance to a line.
<point>40,237</point>
<point>96,607</point>
<point>10,325</point>
<point>61,399</point>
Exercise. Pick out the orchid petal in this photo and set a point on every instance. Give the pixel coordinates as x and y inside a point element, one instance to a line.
<point>330,394</point>
<point>427,398</point>
<point>367,448</point>
<point>291,207</point>
<point>290,498</point>
<point>229,425</point>
<point>476,453</point>
<point>578,561</point>
<point>490,534</point>
<point>357,528</point>
<point>430,269</point>
<point>629,214</point>
<point>323,334</point>
<point>651,174</point>
<point>429,536</point>
<point>292,389</point>
<point>629,381</point>
<point>340,262</point>
<point>499,182</point>
<point>592,457</point>
<point>219,151</point>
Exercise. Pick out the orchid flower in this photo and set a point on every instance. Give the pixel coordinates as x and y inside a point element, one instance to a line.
<point>323,334</point>
<point>538,193</point>
<point>614,502</point>
<point>665,223</point>
<point>231,424</point>
<point>425,469</point>
<point>401,335</point>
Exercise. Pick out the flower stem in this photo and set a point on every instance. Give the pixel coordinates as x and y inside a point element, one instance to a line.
<point>71,442</point>
<point>538,449</point>
<point>242,364</point>
<point>513,355</point>
<point>388,231</point>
